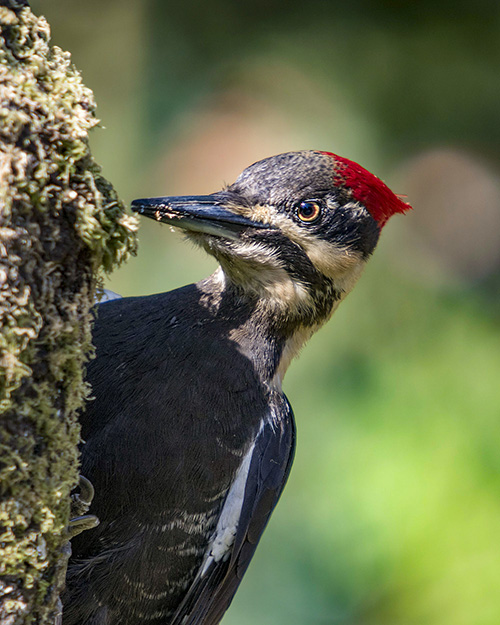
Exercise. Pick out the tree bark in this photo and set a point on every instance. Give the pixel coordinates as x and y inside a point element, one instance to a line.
<point>61,223</point>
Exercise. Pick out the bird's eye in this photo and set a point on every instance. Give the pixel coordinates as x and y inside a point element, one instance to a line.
<point>309,212</point>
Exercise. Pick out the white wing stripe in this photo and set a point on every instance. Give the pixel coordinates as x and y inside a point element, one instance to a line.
<point>220,545</point>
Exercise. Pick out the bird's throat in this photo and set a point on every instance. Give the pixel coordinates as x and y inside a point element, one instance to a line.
<point>269,329</point>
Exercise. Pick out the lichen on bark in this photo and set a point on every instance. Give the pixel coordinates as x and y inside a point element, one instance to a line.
<point>60,224</point>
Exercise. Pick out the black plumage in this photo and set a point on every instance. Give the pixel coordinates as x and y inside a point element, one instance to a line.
<point>189,438</point>
<point>151,440</point>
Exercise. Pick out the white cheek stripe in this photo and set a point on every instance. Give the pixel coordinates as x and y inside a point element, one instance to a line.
<point>221,542</point>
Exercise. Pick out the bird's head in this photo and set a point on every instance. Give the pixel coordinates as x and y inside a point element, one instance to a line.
<point>294,230</point>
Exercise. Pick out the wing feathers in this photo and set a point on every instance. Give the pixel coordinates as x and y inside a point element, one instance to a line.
<point>212,591</point>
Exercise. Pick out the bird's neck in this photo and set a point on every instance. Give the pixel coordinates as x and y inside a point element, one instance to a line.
<point>266,331</point>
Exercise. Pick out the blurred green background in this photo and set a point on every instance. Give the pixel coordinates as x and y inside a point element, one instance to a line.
<point>392,512</point>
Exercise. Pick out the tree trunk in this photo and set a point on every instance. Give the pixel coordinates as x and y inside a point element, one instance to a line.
<point>60,224</point>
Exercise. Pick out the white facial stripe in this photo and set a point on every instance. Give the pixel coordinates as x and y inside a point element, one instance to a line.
<point>330,260</point>
<point>292,348</point>
<point>261,270</point>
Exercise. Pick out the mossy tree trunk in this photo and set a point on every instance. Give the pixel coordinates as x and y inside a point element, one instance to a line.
<point>60,225</point>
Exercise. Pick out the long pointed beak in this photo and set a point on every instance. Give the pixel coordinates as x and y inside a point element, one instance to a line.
<point>197,213</point>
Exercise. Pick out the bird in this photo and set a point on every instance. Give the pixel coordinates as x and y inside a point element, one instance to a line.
<point>189,438</point>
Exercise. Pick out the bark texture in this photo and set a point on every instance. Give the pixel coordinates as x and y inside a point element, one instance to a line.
<point>60,224</point>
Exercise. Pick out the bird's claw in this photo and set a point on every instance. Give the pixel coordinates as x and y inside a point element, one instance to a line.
<point>80,502</point>
<point>79,524</point>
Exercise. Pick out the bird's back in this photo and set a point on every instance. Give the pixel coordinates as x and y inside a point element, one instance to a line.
<point>166,431</point>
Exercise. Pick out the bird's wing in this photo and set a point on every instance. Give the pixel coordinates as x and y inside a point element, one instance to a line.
<point>217,581</point>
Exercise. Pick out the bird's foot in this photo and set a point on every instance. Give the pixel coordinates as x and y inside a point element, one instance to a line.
<point>80,501</point>
<point>80,504</point>
<point>79,524</point>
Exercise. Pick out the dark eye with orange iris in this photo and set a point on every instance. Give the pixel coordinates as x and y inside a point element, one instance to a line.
<point>309,212</point>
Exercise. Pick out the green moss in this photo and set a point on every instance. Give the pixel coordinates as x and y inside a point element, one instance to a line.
<point>60,223</point>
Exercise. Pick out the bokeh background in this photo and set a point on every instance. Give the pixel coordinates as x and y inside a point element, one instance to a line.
<point>392,512</point>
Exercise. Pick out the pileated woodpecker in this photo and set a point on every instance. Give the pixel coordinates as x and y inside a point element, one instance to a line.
<point>189,438</point>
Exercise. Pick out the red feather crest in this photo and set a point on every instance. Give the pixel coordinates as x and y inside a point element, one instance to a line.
<point>366,188</point>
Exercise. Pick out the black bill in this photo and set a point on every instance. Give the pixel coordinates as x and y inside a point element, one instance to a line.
<point>197,213</point>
